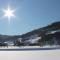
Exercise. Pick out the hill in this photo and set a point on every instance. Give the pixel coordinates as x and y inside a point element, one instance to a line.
<point>48,35</point>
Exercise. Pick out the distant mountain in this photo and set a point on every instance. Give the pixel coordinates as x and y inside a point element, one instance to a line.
<point>48,35</point>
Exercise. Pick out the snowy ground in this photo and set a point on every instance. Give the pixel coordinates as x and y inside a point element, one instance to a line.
<point>30,55</point>
<point>16,48</point>
<point>30,46</point>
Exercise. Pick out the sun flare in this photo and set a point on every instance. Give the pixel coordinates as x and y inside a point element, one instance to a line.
<point>9,13</point>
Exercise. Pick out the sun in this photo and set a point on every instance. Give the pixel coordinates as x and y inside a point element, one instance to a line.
<point>9,13</point>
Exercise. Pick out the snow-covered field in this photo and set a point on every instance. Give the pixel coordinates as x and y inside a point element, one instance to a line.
<point>25,48</point>
<point>16,47</point>
<point>48,46</point>
<point>30,55</point>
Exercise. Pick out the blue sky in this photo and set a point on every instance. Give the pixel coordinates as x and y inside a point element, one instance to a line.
<point>30,15</point>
